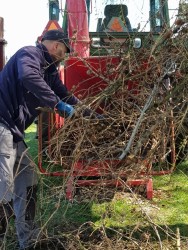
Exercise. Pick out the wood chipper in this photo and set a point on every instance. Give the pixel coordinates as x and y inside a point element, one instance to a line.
<point>112,70</point>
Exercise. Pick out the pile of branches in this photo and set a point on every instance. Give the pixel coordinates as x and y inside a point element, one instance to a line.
<point>143,108</point>
<point>142,101</point>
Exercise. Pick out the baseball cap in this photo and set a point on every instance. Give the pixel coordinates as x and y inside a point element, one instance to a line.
<point>57,35</point>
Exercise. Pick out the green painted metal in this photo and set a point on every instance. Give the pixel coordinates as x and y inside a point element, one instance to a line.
<point>54,10</point>
<point>159,15</point>
<point>158,18</point>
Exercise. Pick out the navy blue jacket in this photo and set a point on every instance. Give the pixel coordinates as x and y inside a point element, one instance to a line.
<point>29,80</point>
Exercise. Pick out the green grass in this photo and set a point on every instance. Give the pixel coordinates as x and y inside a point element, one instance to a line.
<point>31,141</point>
<point>121,212</point>
<point>171,197</point>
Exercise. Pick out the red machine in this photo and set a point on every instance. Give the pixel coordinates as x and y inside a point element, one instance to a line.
<point>85,83</point>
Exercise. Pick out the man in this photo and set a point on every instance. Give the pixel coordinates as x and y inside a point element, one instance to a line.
<point>29,80</point>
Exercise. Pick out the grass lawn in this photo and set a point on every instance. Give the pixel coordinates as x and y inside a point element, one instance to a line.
<point>100,214</point>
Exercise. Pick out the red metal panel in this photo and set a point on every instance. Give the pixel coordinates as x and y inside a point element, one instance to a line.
<point>90,76</point>
<point>78,29</point>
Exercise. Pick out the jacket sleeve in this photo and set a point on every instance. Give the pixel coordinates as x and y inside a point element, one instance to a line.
<point>30,75</point>
<point>61,90</point>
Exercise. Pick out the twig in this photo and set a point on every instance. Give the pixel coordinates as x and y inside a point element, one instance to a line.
<point>147,105</point>
<point>178,244</point>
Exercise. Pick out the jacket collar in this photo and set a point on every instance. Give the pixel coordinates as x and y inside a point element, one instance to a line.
<point>50,64</point>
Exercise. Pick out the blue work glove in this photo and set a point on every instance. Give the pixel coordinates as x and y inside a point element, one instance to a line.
<point>64,109</point>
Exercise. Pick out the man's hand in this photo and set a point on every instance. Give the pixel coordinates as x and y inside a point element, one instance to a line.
<point>64,109</point>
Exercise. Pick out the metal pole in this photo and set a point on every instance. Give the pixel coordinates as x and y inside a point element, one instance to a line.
<point>2,43</point>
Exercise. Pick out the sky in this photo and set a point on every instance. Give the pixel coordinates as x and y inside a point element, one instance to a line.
<point>25,20</point>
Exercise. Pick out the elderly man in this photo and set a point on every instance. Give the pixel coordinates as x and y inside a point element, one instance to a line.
<point>30,79</point>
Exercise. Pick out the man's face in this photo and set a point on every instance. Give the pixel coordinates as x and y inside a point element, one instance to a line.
<point>59,51</point>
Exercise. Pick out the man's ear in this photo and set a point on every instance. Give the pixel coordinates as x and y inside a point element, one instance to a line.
<point>56,45</point>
